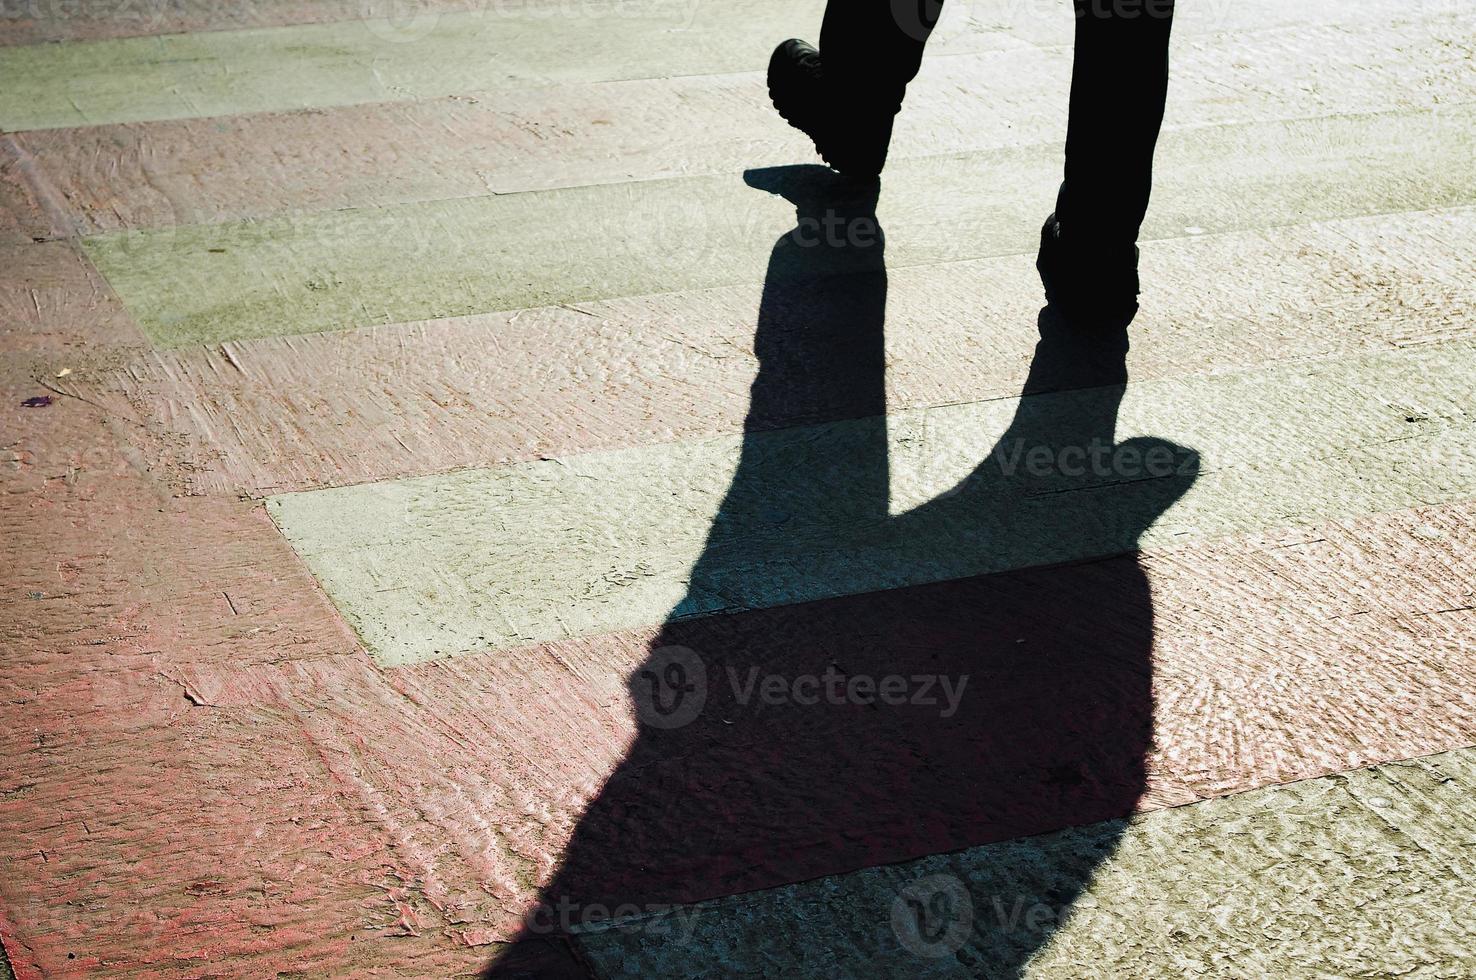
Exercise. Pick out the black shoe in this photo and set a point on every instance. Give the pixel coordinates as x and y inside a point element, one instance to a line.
<point>1089,283</point>
<point>851,139</point>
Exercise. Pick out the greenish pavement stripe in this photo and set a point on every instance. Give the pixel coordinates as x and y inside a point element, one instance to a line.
<point>494,558</point>
<point>1364,874</point>
<point>314,272</point>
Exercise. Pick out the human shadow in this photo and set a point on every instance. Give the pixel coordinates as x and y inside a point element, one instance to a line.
<point>1014,597</point>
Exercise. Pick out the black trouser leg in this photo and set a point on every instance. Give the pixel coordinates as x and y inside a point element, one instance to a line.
<point>871,49</point>
<point>1118,86</point>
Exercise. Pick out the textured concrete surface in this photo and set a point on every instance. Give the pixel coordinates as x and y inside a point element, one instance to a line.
<point>1366,874</point>
<point>350,61</point>
<point>196,171</point>
<point>380,265</point>
<point>208,773</point>
<point>1277,657</point>
<point>347,407</point>
<point>571,546</point>
<point>454,47</point>
<point>1042,25</point>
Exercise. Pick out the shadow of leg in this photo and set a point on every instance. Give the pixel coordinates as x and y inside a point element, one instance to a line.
<point>873,728</point>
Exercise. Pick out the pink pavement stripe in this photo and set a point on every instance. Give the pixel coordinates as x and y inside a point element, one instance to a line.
<point>142,833</point>
<point>53,299</point>
<point>23,217</point>
<point>298,413</point>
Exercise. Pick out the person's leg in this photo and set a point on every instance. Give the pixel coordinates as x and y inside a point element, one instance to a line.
<point>873,48</point>
<point>1118,86</point>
